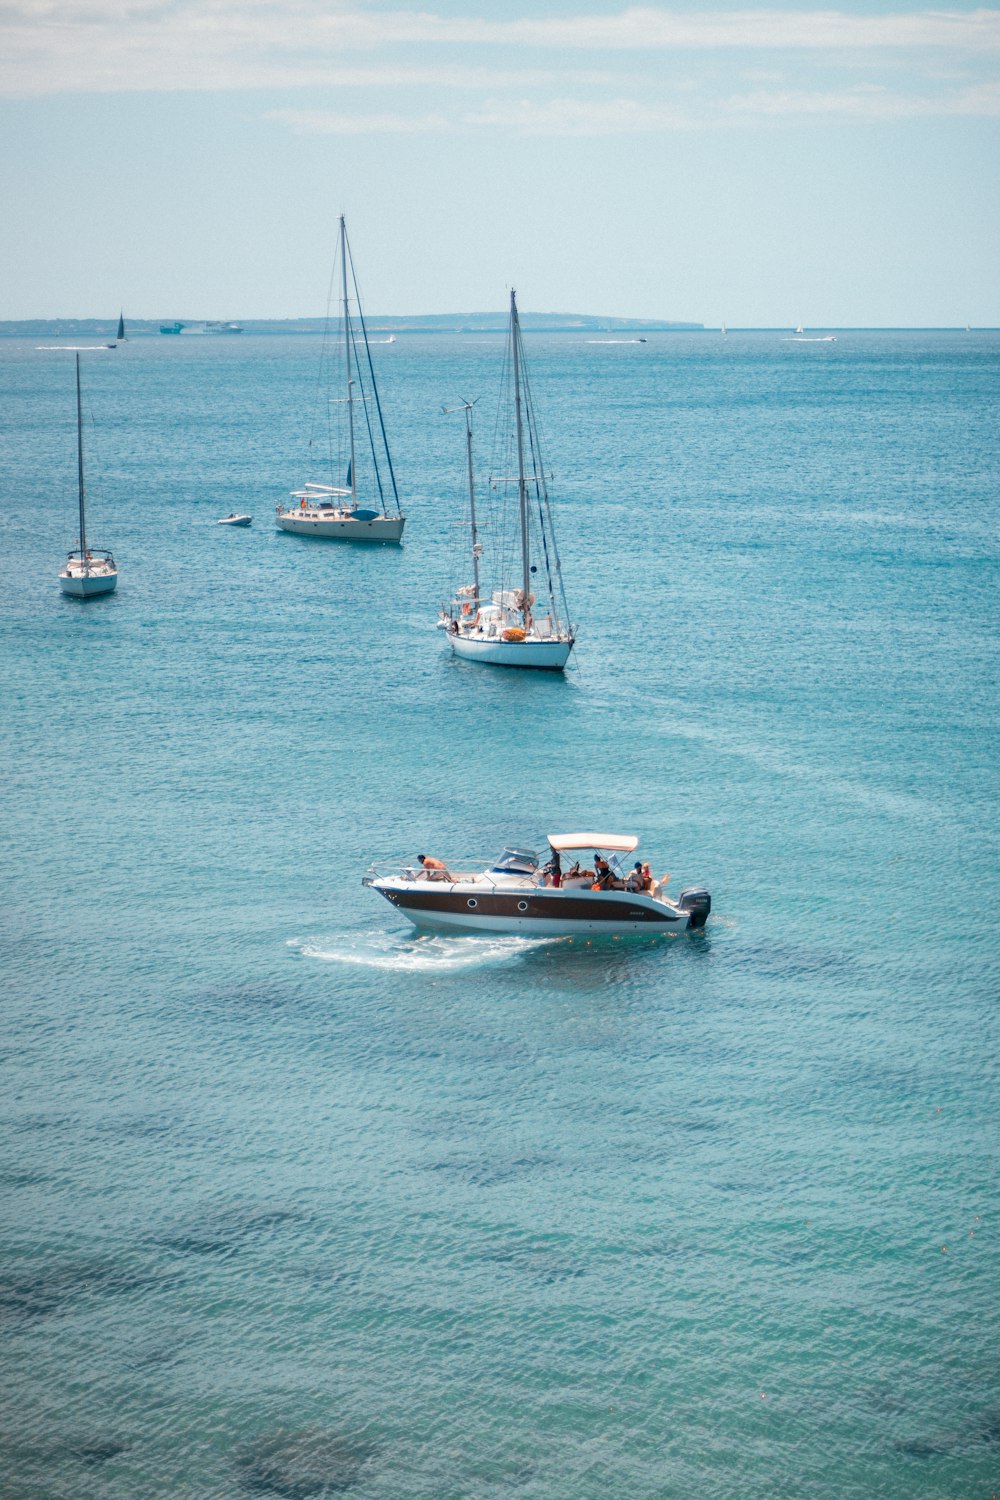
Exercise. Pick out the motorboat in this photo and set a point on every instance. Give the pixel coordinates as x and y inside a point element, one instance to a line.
<point>330,510</point>
<point>89,570</point>
<point>521,893</point>
<point>522,620</point>
<point>234,519</point>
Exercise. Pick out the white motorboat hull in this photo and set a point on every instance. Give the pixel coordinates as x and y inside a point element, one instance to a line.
<point>235,521</point>
<point>549,656</point>
<point>88,585</point>
<point>381,529</point>
<point>536,910</point>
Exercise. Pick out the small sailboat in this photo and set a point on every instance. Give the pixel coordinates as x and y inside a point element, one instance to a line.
<point>120,335</point>
<point>724,330</point>
<point>89,570</point>
<point>330,510</point>
<point>799,328</point>
<point>524,620</point>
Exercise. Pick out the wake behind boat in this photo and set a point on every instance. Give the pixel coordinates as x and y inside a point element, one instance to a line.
<point>517,893</point>
<point>330,510</point>
<point>524,620</point>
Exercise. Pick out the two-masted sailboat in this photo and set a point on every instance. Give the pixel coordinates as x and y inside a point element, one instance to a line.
<point>334,511</point>
<point>89,570</point>
<point>524,620</point>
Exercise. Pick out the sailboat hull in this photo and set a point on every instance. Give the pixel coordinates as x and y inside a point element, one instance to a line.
<point>88,585</point>
<point>546,656</point>
<point>380,529</point>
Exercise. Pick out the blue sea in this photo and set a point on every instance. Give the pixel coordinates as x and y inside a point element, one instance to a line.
<point>296,1202</point>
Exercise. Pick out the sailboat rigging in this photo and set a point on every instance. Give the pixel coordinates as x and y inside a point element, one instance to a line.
<point>331,510</point>
<point>89,570</point>
<point>507,627</point>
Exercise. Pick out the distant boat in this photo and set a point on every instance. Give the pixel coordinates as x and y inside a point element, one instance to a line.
<point>171,327</point>
<point>120,335</point>
<point>89,570</point>
<point>725,330</point>
<point>507,626</point>
<point>332,511</point>
<point>223,328</point>
<point>799,328</point>
<point>234,519</point>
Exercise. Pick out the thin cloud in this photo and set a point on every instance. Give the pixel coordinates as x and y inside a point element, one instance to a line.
<point>328,122</point>
<point>864,103</point>
<point>575,117</point>
<point>50,46</point>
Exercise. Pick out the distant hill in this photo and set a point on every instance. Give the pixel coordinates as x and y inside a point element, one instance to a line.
<point>481,322</point>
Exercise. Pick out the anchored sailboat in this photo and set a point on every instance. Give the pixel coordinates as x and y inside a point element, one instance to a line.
<point>331,510</point>
<point>524,620</point>
<point>89,570</point>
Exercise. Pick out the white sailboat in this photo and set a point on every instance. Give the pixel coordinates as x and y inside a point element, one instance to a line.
<point>89,570</point>
<point>333,511</point>
<point>799,328</point>
<point>524,620</point>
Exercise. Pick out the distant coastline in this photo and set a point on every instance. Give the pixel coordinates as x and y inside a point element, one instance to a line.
<point>483,322</point>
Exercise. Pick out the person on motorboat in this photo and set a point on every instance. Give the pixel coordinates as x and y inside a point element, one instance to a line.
<point>434,869</point>
<point>635,880</point>
<point>552,871</point>
<point>604,877</point>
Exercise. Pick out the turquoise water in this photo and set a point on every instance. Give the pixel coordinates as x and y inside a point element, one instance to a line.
<point>296,1202</point>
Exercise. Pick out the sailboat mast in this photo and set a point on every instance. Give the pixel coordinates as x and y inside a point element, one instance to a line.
<point>522,489</point>
<point>79,462</point>
<point>472,503</point>
<point>347,355</point>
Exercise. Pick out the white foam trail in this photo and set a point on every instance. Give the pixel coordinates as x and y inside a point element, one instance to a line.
<point>433,953</point>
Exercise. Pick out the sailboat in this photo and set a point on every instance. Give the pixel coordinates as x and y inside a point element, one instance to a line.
<point>120,335</point>
<point>334,511</point>
<point>89,570</point>
<point>799,328</point>
<point>524,620</point>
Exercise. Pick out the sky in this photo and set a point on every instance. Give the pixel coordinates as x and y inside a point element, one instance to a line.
<point>758,166</point>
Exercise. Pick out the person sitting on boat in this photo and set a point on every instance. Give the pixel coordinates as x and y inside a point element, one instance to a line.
<point>647,878</point>
<point>603,876</point>
<point>434,869</point>
<point>635,881</point>
<point>552,872</point>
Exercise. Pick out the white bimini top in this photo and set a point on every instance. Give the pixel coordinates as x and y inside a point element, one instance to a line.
<point>621,843</point>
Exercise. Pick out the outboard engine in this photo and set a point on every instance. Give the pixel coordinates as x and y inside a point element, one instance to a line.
<point>698,902</point>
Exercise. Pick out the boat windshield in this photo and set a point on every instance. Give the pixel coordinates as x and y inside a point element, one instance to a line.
<point>516,862</point>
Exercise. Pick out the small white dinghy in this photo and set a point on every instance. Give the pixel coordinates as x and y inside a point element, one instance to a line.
<point>234,519</point>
